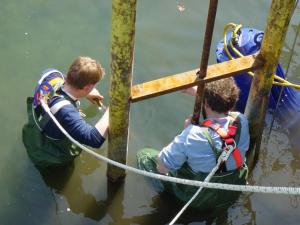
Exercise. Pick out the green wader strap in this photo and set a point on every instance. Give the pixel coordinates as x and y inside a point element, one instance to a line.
<point>216,151</point>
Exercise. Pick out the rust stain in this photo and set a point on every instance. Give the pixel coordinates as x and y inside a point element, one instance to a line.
<point>187,79</point>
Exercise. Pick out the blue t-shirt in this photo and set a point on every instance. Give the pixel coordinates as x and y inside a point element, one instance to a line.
<point>192,146</point>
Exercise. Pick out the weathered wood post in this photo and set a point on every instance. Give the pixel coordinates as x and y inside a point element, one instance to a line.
<point>122,46</point>
<point>274,35</point>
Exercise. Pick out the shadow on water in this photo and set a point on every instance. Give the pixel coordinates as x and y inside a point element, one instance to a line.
<point>58,179</point>
<point>67,182</point>
<point>164,210</point>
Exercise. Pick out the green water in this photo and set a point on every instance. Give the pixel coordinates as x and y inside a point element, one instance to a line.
<point>39,34</point>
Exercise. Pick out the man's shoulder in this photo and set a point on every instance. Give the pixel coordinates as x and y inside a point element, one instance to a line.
<point>194,129</point>
<point>56,99</point>
<point>239,115</point>
<point>195,132</point>
<point>60,104</point>
<point>243,118</point>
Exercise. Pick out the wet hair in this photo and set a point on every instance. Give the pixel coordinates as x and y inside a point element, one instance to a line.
<point>84,71</point>
<point>221,95</point>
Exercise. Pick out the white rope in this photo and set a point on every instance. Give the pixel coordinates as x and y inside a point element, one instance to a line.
<point>230,187</point>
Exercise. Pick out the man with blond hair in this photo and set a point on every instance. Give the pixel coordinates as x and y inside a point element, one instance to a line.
<point>46,145</point>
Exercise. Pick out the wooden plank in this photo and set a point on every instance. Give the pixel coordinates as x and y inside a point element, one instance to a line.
<point>187,79</point>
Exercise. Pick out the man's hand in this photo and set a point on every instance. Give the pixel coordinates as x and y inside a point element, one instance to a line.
<point>190,91</point>
<point>161,168</point>
<point>188,121</point>
<point>95,97</point>
<point>103,123</point>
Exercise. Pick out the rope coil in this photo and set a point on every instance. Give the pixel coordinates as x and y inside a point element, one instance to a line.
<point>236,28</point>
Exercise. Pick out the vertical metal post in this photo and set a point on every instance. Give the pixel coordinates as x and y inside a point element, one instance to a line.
<point>122,47</point>
<point>210,22</point>
<point>274,35</point>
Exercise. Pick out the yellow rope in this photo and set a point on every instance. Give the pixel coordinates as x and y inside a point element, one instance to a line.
<point>280,81</point>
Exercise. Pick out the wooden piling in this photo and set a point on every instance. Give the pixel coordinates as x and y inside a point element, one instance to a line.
<point>122,46</point>
<point>274,35</point>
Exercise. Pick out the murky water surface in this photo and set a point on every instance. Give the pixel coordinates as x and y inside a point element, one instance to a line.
<point>39,34</point>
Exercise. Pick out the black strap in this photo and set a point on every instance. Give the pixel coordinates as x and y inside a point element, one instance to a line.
<point>43,118</point>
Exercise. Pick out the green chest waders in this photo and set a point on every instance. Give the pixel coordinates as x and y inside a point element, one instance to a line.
<point>42,150</point>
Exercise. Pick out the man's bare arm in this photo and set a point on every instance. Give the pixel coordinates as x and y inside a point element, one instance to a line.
<point>102,124</point>
<point>161,168</point>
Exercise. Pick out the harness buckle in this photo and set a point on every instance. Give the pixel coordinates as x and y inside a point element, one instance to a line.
<point>233,144</point>
<point>229,141</point>
<point>227,150</point>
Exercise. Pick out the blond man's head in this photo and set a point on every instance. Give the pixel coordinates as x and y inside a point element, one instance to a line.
<point>84,71</point>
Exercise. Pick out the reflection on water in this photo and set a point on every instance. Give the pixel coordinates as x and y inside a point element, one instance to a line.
<point>68,190</point>
<point>67,183</point>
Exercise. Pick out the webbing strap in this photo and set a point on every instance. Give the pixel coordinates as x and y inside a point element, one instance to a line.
<point>216,151</point>
<point>229,137</point>
<point>56,107</point>
<point>237,122</point>
<point>42,120</point>
<point>237,157</point>
<point>212,145</point>
<point>217,128</point>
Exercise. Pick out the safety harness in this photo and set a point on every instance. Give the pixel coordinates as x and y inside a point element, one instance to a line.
<point>48,87</point>
<point>229,137</point>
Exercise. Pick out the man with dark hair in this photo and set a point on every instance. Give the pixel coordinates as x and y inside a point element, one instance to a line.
<point>45,143</point>
<point>194,153</point>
